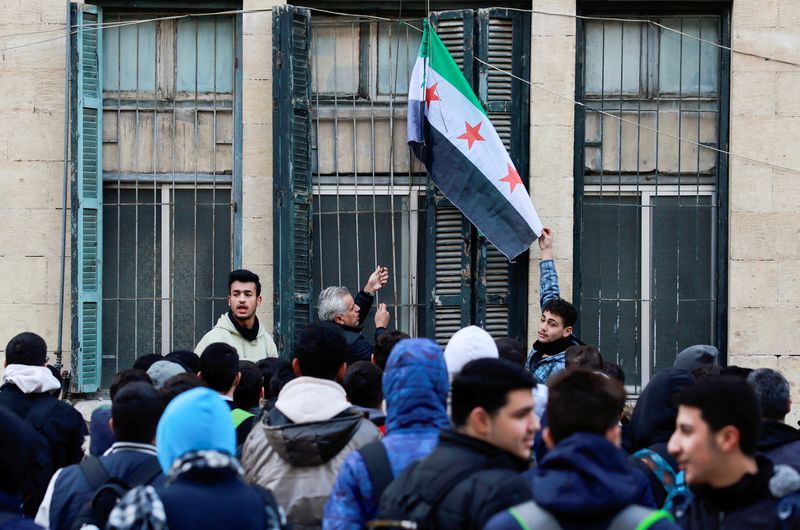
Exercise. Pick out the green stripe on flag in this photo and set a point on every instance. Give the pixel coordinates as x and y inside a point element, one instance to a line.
<point>442,63</point>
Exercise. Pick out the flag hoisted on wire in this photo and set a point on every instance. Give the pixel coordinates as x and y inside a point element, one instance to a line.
<point>451,134</point>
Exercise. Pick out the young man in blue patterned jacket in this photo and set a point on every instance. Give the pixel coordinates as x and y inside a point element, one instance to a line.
<point>547,357</point>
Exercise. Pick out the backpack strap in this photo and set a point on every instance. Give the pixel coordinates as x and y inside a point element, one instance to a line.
<point>239,416</point>
<point>379,468</point>
<point>636,517</point>
<point>94,472</point>
<point>530,516</point>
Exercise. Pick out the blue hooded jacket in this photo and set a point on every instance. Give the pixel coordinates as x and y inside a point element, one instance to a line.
<point>415,386</point>
<point>584,481</point>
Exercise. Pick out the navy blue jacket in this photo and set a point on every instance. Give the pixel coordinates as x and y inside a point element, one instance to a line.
<point>71,489</point>
<point>584,482</point>
<point>358,348</point>
<point>780,443</point>
<point>212,498</point>
<point>11,514</point>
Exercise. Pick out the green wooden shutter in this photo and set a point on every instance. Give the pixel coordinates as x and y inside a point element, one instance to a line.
<point>291,132</point>
<point>87,194</point>
<point>504,41</point>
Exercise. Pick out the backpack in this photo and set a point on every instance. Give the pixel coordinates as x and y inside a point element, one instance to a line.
<point>410,507</point>
<point>42,464</point>
<point>379,469</point>
<point>530,515</point>
<point>109,490</point>
<point>673,483</point>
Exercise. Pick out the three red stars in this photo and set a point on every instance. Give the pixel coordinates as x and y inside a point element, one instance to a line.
<point>512,178</point>
<point>430,94</point>
<point>472,134</point>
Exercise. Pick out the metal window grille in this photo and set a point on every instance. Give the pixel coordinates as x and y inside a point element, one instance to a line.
<point>648,205</point>
<point>168,174</point>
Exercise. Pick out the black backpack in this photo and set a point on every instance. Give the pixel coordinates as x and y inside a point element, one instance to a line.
<point>109,490</point>
<point>42,464</point>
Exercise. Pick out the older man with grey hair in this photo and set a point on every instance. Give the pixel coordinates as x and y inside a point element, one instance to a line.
<point>337,305</point>
<point>778,441</point>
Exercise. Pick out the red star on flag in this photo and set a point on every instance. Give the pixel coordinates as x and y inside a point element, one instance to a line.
<point>512,178</point>
<point>472,134</point>
<point>430,94</point>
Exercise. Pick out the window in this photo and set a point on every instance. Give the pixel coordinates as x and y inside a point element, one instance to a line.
<point>167,175</point>
<point>648,210</point>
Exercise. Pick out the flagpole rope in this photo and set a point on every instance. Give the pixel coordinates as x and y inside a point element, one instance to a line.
<point>625,120</point>
<point>406,21</point>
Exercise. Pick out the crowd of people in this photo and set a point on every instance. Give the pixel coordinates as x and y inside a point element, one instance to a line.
<point>397,432</point>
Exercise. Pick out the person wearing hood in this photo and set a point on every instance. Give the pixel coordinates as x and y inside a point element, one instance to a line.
<point>336,304</point>
<point>652,424</point>
<point>240,327</point>
<point>585,481</point>
<point>778,442</point>
<point>415,386</point>
<point>27,383</point>
<point>696,356</point>
<point>205,487</point>
<point>547,356</point>
<point>298,447</point>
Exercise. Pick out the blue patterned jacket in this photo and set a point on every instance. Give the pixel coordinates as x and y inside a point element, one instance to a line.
<point>415,386</point>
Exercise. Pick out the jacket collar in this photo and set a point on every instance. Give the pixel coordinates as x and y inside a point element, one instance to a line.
<point>495,457</point>
<point>775,434</point>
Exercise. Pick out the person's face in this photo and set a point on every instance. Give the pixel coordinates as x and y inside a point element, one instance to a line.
<point>512,427</point>
<point>551,328</point>
<point>243,300</point>
<point>350,316</point>
<point>694,446</point>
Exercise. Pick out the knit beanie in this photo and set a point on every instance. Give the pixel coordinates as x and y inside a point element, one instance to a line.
<point>466,345</point>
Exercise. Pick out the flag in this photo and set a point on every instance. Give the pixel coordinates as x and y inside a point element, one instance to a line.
<point>450,132</point>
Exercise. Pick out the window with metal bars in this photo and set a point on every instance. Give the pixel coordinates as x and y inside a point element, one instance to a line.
<point>370,202</point>
<point>165,176</point>
<point>651,190</point>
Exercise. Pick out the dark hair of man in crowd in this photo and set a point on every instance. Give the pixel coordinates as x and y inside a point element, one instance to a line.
<point>126,376</point>
<point>268,367</point>
<point>584,356</point>
<point>279,380</point>
<point>135,412</point>
<point>26,348</point>
<point>219,365</point>
<point>186,358</point>
<point>248,392</point>
<point>615,371</point>
<point>735,371</point>
<point>562,308</point>
<point>363,382</point>
<point>724,401</point>
<point>384,345</point>
<point>773,393</point>
<point>707,372</point>
<point>244,276</point>
<point>178,384</point>
<point>485,383</point>
<point>511,350</point>
<point>146,361</point>
<point>321,350</point>
<point>581,400</point>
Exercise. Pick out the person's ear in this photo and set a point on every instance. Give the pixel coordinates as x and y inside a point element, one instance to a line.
<point>614,435</point>
<point>788,405</point>
<point>727,438</point>
<point>258,300</point>
<point>338,319</point>
<point>261,394</point>
<point>111,424</point>
<point>237,380</point>
<point>567,331</point>
<point>372,360</point>
<point>547,437</point>
<point>480,421</point>
<point>296,368</point>
<point>340,373</point>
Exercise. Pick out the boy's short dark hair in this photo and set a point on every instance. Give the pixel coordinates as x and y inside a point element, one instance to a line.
<point>563,309</point>
<point>320,350</point>
<point>26,348</point>
<point>735,371</point>
<point>268,367</point>
<point>486,383</point>
<point>580,400</point>
<point>126,376</point>
<point>773,392</point>
<point>219,364</point>
<point>283,375</point>
<point>615,371</point>
<point>511,350</point>
<point>146,361</point>
<point>584,356</point>
<point>248,391</point>
<point>178,384</point>
<point>244,276</point>
<point>186,358</point>
<point>724,401</point>
<point>363,382</point>
<point>384,345</point>
<point>707,372</point>
<point>136,411</point>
